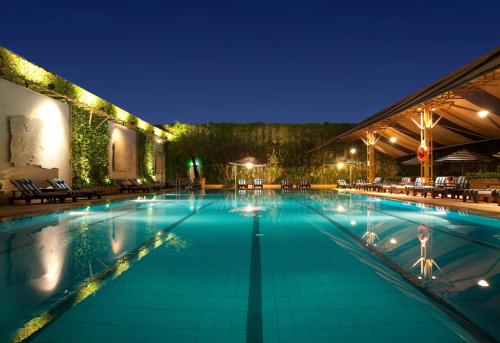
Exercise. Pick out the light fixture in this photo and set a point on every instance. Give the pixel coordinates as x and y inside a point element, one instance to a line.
<point>483,283</point>
<point>353,150</point>
<point>353,222</point>
<point>393,241</point>
<point>483,113</point>
<point>340,165</point>
<point>340,208</point>
<point>393,138</point>
<point>249,165</point>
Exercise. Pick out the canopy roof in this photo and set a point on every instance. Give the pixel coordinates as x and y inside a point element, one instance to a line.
<point>458,97</point>
<point>463,156</point>
<point>244,162</point>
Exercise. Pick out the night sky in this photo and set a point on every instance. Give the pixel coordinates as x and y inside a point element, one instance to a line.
<point>269,61</point>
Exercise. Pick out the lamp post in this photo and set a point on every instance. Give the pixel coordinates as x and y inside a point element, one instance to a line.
<point>353,152</point>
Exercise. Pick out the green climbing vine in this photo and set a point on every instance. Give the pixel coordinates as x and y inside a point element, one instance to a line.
<point>89,145</point>
<point>145,156</point>
<point>285,148</point>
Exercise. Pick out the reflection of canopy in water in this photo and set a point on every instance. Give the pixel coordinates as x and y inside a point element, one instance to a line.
<point>244,162</point>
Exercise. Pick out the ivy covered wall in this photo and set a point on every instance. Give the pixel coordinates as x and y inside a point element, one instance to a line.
<point>89,147</point>
<point>145,156</point>
<point>17,69</point>
<point>283,146</point>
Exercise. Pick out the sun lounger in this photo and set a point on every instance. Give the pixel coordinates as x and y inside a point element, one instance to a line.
<point>360,184</point>
<point>192,185</point>
<point>170,183</point>
<point>286,184</point>
<point>59,183</point>
<point>485,195</point>
<point>416,187</point>
<point>258,183</point>
<point>342,184</point>
<point>127,186</point>
<point>242,183</point>
<point>460,186</point>
<point>376,185</point>
<point>397,187</point>
<point>29,190</point>
<point>148,186</point>
<point>441,187</point>
<point>304,184</point>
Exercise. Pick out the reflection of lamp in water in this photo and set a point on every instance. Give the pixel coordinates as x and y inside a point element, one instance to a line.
<point>426,263</point>
<point>370,235</point>
<point>483,283</point>
<point>52,257</point>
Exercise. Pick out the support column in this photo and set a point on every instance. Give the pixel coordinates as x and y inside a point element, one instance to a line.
<point>426,125</point>
<point>371,140</point>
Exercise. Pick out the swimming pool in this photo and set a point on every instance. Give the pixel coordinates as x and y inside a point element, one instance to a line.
<point>251,266</point>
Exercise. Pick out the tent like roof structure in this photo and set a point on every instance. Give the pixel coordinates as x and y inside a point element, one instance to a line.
<point>458,98</point>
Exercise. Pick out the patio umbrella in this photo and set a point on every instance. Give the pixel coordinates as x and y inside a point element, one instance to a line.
<point>247,162</point>
<point>341,162</point>
<point>464,156</point>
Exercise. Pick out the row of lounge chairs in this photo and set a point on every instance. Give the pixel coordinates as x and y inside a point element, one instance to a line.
<point>256,184</point>
<point>29,190</point>
<point>442,187</point>
<point>302,184</point>
<point>133,185</point>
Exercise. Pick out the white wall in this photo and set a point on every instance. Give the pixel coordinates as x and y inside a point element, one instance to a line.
<point>125,143</point>
<point>41,146</point>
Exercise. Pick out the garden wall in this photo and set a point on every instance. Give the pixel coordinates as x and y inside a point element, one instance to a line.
<point>283,146</point>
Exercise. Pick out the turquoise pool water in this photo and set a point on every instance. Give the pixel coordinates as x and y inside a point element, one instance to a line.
<point>251,266</point>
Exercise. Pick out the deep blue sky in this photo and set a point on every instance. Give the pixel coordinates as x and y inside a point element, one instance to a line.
<point>287,61</point>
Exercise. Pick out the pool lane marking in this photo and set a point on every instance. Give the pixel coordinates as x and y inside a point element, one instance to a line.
<point>36,324</point>
<point>446,307</point>
<point>254,308</point>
